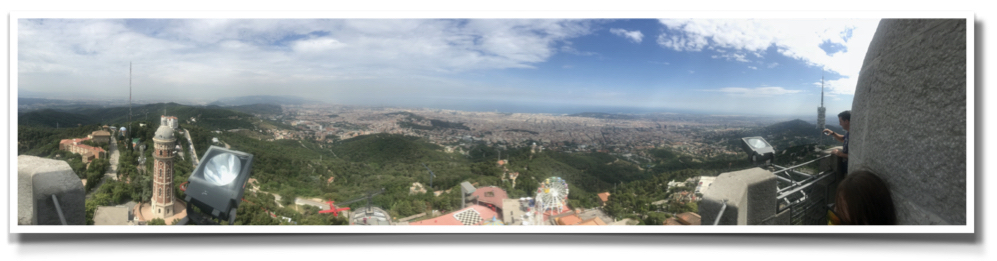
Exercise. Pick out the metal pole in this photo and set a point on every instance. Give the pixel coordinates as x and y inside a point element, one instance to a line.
<point>58,209</point>
<point>721,214</point>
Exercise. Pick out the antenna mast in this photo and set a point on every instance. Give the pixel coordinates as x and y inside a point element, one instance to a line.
<point>129,96</point>
<point>821,110</point>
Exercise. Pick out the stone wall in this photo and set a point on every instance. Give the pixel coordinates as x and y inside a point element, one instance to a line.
<point>909,117</point>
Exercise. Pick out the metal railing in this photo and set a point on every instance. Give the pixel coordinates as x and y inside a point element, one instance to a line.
<point>804,194</point>
<point>802,189</point>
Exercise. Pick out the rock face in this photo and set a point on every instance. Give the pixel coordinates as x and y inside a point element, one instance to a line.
<point>37,180</point>
<point>909,118</point>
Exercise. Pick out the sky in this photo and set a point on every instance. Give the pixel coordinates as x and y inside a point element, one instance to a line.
<point>716,66</point>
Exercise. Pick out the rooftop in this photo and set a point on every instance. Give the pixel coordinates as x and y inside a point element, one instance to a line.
<point>491,195</point>
<point>469,216</point>
<point>604,196</point>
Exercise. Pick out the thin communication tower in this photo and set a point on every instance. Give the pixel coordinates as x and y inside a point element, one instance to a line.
<point>129,97</point>
<point>821,111</point>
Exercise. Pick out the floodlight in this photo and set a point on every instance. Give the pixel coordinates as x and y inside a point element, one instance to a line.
<point>758,149</point>
<point>216,186</point>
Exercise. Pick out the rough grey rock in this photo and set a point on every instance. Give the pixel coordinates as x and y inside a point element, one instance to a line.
<point>909,117</point>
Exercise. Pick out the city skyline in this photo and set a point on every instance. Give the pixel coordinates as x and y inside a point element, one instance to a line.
<point>747,66</point>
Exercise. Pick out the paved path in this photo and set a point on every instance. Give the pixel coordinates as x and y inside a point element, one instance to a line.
<point>299,200</point>
<point>112,171</point>
<point>319,204</point>
<point>115,154</point>
<point>193,153</point>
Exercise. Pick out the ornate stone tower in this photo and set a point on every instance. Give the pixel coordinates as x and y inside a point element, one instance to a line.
<point>162,180</point>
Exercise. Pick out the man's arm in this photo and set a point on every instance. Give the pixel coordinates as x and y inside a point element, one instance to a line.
<point>839,137</point>
<point>839,153</point>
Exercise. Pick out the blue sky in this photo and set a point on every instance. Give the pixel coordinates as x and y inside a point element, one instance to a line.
<point>726,66</point>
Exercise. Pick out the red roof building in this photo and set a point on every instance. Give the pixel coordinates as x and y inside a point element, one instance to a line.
<point>76,146</point>
<point>575,220</point>
<point>604,197</point>
<point>689,218</point>
<point>568,220</point>
<point>672,222</point>
<point>593,222</point>
<point>470,216</point>
<point>490,196</point>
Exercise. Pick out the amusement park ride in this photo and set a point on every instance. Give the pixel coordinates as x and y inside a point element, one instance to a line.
<point>551,198</point>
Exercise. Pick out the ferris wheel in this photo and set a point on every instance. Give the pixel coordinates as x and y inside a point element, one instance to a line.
<point>552,195</point>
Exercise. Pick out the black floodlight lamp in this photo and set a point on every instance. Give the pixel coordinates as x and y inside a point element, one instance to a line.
<point>217,184</point>
<point>758,149</point>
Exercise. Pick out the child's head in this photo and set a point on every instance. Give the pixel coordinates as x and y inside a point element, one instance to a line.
<point>863,199</point>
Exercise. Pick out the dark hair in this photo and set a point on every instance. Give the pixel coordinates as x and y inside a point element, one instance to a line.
<point>845,115</point>
<point>863,199</point>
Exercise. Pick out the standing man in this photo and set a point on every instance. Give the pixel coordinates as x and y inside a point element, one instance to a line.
<point>844,119</point>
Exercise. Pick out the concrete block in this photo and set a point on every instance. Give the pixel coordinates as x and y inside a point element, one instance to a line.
<point>108,215</point>
<point>781,218</point>
<point>39,179</point>
<point>750,195</point>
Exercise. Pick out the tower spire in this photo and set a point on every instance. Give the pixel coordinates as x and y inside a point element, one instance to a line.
<point>129,94</point>
<point>822,88</point>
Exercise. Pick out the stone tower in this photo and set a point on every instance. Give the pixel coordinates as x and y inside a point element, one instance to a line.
<point>162,180</point>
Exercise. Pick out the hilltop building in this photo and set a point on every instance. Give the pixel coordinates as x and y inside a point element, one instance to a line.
<point>470,216</point>
<point>603,198</point>
<point>490,197</point>
<point>88,153</point>
<point>704,184</point>
<point>100,136</point>
<point>684,219</point>
<point>170,121</point>
<point>580,217</point>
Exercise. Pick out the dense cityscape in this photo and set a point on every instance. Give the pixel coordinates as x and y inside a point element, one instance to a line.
<point>682,151</point>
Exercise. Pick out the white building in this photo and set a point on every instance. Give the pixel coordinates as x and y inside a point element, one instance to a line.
<point>704,184</point>
<point>170,121</point>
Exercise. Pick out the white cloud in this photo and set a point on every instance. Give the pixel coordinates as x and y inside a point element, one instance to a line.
<point>268,53</point>
<point>797,39</point>
<point>317,45</point>
<point>773,65</point>
<point>568,49</point>
<point>755,92</point>
<point>839,86</point>
<point>634,36</point>
<point>679,43</point>
<point>732,56</point>
<point>753,68</point>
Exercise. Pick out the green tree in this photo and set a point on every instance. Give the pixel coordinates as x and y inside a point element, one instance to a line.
<point>101,198</point>
<point>157,221</point>
<point>656,218</point>
<point>287,196</point>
